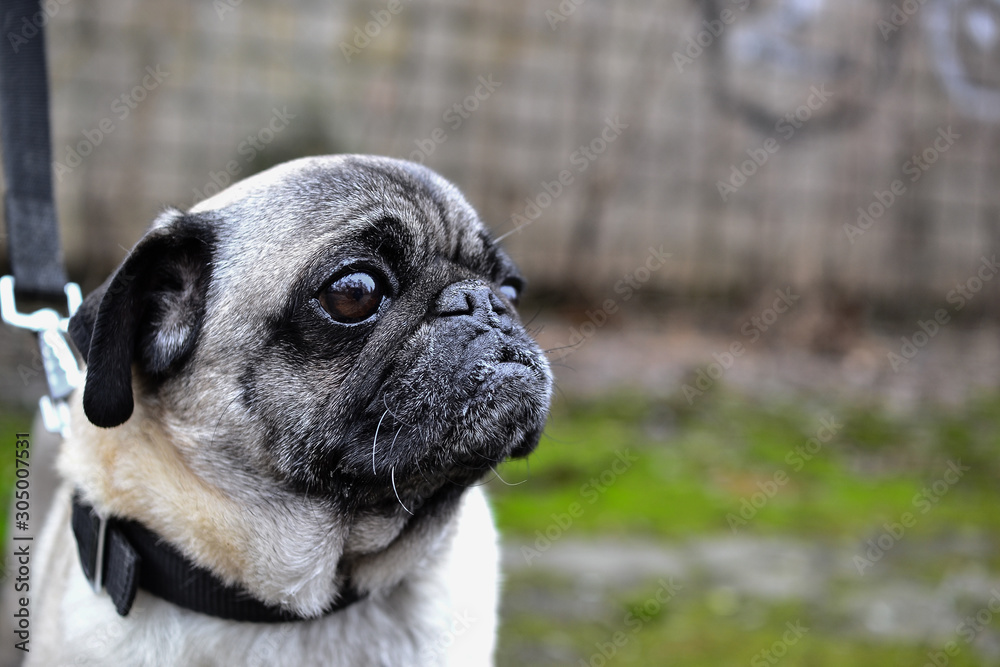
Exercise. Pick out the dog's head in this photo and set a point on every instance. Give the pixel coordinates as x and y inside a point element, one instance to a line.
<point>342,325</point>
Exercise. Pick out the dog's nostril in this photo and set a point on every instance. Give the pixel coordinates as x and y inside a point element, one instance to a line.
<point>496,304</point>
<point>468,299</point>
<point>456,302</point>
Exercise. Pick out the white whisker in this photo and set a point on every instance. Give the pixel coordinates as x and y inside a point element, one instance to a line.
<point>386,404</point>
<point>375,441</point>
<point>392,475</point>
<point>494,470</point>
<point>503,236</point>
<point>393,443</point>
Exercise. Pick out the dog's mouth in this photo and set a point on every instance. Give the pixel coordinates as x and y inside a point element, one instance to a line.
<point>508,361</point>
<point>448,408</point>
<point>451,421</point>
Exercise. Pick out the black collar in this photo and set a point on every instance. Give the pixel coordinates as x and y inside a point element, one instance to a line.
<point>135,557</point>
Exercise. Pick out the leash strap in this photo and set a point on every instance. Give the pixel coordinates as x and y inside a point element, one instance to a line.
<point>33,234</point>
<point>124,556</point>
<point>33,242</point>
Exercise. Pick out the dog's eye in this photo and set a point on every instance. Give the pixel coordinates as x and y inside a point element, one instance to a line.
<point>512,290</point>
<point>353,297</point>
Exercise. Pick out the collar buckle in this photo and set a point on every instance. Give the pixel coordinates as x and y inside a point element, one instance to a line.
<point>102,536</point>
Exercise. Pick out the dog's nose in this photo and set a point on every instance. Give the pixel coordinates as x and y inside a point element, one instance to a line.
<point>475,299</point>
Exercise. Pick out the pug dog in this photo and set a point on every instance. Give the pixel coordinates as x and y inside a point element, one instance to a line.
<point>292,394</point>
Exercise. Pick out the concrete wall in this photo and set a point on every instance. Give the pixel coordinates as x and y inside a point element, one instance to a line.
<point>697,89</point>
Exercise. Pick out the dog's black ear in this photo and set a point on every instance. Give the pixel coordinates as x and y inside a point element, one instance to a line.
<point>148,313</point>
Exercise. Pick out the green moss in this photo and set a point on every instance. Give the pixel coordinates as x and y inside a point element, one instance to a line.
<point>705,631</point>
<point>836,471</point>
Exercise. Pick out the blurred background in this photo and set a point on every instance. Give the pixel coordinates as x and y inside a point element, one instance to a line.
<point>760,238</point>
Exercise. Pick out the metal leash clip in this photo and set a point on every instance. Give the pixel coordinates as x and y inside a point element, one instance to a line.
<point>61,369</point>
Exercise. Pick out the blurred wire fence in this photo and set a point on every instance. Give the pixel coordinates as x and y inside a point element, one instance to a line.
<point>847,146</point>
<point>836,159</point>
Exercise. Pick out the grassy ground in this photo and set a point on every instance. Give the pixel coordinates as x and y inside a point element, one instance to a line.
<point>666,470</point>
<point>820,474</point>
<point>823,472</point>
<point>692,634</point>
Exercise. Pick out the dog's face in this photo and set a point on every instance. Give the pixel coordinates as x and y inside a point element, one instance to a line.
<point>343,326</point>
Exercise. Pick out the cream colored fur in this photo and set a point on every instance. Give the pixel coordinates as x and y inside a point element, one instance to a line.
<point>192,461</point>
<point>432,606</point>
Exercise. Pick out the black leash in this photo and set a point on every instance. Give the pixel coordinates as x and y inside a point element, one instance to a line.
<point>33,244</point>
<point>33,234</point>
